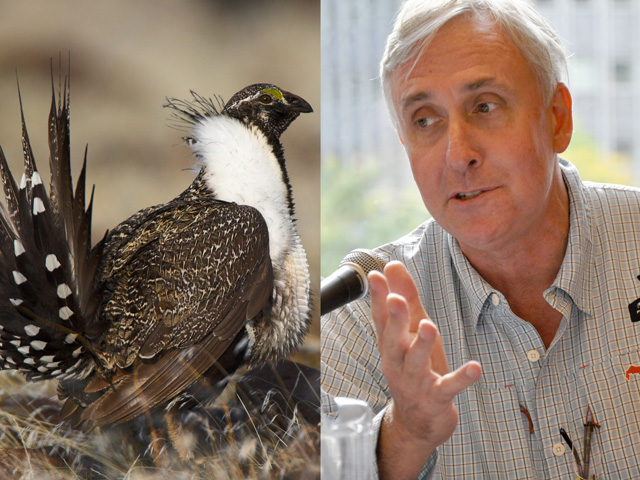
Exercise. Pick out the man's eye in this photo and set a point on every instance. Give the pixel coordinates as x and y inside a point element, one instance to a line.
<point>425,122</point>
<point>485,107</point>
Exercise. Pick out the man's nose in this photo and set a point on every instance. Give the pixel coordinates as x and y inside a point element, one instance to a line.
<point>461,149</point>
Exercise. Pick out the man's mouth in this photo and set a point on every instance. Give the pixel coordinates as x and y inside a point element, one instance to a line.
<point>468,195</point>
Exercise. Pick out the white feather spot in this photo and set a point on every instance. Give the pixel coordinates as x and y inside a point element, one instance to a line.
<point>43,369</point>
<point>24,350</point>
<point>51,262</point>
<point>19,278</point>
<point>63,290</point>
<point>29,361</point>
<point>31,330</point>
<point>65,313</point>
<point>75,365</point>
<point>38,206</point>
<point>77,352</point>
<point>38,344</point>
<point>46,359</point>
<point>15,301</point>
<point>17,343</point>
<point>70,338</point>
<point>56,372</point>
<point>53,364</point>
<point>11,360</point>
<point>36,179</point>
<point>23,181</point>
<point>18,248</point>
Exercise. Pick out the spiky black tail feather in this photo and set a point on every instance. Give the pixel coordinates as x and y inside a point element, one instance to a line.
<point>47,266</point>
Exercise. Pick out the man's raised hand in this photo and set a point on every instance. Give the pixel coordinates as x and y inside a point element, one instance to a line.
<point>422,414</point>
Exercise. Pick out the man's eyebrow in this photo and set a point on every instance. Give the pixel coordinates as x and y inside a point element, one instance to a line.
<point>483,82</point>
<point>407,101</point>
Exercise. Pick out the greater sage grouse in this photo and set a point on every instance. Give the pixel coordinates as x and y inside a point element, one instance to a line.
<point>173,299</point>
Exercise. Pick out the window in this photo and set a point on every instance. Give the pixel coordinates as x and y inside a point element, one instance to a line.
<point>623,71</point>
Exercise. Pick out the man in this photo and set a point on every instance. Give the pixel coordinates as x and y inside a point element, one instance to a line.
<point>526,279</point>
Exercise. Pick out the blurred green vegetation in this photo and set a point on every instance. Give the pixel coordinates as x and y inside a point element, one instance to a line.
<point>596,166</point>
<point>359,211</point>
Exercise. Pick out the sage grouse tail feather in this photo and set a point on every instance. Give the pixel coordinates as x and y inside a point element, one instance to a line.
<point>47,265</point>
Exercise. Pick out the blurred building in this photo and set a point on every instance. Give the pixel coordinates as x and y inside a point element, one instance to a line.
<point>355,124</point>
<point>603,41</point>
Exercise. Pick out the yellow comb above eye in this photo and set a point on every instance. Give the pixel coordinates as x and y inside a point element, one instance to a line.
<point>273,91</point>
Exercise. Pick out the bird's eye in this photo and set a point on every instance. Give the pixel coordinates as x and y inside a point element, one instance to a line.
<point>266,99</point>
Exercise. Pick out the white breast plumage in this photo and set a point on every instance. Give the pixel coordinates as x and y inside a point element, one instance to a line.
<point>242,168</point>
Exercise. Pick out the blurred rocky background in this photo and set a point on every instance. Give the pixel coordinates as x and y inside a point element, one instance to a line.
<point>125,59</point>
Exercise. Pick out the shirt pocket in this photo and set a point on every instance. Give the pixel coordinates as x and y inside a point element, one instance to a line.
<point>612,394</point>
<point>492,439</point>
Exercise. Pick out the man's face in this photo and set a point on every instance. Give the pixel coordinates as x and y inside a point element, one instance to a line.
<point>480,140</point>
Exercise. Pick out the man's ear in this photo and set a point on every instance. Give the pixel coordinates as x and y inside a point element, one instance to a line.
<point>563,118</point>
<point>400,137</point>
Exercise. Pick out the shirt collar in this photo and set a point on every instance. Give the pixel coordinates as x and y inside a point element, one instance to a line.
<point>574,277</point>
<point>576,270</point>
<point>476,288</point>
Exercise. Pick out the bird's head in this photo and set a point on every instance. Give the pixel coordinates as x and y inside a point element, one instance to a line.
<point>266,106</point>
<point>216,130</point>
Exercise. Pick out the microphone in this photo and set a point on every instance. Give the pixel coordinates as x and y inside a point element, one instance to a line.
<point>349,282</point>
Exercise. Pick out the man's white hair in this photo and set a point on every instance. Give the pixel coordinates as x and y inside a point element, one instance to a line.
<point>418,21</point>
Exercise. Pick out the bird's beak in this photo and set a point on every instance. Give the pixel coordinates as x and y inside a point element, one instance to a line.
<point>297,104</point>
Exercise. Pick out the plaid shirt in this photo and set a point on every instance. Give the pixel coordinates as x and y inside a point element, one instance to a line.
<point>593,362</point>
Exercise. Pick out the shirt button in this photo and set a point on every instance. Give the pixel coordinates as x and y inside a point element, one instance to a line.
<point>495,299</point>
<point>533,355</point>
<point>558,449</point>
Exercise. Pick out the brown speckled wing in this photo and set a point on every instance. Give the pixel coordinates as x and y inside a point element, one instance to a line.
<point>152,384</point>
<point>183,289</point>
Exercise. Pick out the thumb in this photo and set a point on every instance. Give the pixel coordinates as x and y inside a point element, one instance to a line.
<point>465,376</point>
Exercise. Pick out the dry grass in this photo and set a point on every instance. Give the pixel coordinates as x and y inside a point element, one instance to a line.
<point>268,429</point>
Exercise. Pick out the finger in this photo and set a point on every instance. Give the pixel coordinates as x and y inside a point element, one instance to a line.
<point>399,278</point>
<point>417,361</point>
<point>439,362</point>
<point>379,290</point>
<point>400,281</point>
<point>396,339</point>
<point>455,382</point>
